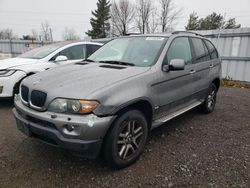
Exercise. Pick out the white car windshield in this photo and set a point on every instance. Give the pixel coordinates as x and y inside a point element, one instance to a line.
<point>41,52</point>
<point>137,51</point>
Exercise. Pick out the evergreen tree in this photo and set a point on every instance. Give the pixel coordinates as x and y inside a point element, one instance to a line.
<point>100,20</point>
<point>210,22</point>
<point>231,24</point>
<point>193,22</point>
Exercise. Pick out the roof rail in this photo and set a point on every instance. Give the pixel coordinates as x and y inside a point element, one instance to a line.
<point>189,32</point>
<point>128,34</point>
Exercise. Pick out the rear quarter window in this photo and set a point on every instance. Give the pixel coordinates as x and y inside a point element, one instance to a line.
<point>212,50</point>
<point>200,50</point>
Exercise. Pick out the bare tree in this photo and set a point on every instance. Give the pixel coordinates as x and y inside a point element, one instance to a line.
<point>46,31</point>
<point>7,34</point>
<point>168,14</point>
<point>143,10</point>
<point>34,34</point>
<point>122,14</point>
<point>153,23</point>
<point>70,34</point>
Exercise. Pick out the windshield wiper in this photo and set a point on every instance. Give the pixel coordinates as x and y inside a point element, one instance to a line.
<point>118,63</point>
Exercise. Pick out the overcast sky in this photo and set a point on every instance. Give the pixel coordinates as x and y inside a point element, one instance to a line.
<point>24,15</point>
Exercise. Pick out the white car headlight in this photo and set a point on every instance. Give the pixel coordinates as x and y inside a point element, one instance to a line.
<point>5,73</point>
<point>72,106</point>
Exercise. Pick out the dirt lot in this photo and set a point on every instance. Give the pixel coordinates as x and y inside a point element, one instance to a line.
<point>194,150</point>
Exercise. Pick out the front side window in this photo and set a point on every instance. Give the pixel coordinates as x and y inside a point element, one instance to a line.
<point>201,54</point>
<point>74,52</point>
<point>140,51</point>
<point>179,49</point>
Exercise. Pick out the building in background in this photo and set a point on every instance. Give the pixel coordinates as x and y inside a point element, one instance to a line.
<point>234,48</point>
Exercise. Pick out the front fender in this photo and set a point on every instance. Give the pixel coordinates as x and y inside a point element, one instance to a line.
<point>130,103</point>
<point>123,96</point>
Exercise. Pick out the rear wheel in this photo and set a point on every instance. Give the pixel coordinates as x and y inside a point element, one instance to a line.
<point>210,101</point>
<point>126,140</point>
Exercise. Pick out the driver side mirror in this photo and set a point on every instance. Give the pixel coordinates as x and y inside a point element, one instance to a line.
<point>61,58</point>
<point>175,65</point>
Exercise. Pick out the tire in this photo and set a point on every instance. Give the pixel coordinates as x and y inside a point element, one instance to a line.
<point>126,139</point>
<point>209,104</point>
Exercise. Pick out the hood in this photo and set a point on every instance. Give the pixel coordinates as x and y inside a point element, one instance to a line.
<point>16,62</point>
<point>80,80</point>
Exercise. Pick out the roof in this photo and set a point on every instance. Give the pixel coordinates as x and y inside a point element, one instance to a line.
<point>172,33</point>
<point>166,34</point>
<point>64,43</point>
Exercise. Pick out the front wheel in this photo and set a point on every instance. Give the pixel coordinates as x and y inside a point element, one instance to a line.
<point>126,140</point>
<point>209,104</point>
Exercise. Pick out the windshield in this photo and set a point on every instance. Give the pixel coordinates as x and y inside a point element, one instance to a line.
<point>139,51</point>
<point>41,52</point>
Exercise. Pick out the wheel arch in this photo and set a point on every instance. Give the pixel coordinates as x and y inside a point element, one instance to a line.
<point>216,82</point>
<point>16,86</point>
<point>143,105</point>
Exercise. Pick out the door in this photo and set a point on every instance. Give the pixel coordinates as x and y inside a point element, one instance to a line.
<point>175,88</point>
<point>203,65</point>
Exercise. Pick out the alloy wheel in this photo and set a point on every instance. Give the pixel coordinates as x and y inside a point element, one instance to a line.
<point>211,99</point>
<point>130,139</point>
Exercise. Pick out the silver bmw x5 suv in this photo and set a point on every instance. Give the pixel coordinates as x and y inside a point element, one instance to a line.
<point>108,103</point>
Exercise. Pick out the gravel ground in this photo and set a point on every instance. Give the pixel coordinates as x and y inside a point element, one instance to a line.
<point>194,150</point>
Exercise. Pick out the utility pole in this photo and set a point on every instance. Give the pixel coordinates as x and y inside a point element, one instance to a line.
<point>51,37</point>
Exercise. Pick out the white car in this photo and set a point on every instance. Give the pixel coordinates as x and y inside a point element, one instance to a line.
<point>14,70</point>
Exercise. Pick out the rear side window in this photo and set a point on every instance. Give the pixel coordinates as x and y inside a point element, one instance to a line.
<point>179,49</point>
<point>91,49</point>
<point>200,50</point>
<point>212,50</point>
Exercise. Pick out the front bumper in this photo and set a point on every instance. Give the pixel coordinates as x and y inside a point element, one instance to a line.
<point>7,83</point>
<point>48,127</point>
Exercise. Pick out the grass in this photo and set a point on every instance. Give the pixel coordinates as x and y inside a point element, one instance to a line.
<point>232,83</point>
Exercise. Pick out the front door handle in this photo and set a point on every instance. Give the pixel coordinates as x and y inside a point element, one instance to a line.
<point>192,71</point>
<point>211,66</point>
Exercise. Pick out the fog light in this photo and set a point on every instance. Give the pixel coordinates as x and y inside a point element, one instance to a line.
<point>70,128</point>
<point>1,89</point>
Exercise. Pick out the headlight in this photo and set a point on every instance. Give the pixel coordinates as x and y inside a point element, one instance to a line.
<point>5,73</point>
<point>72,106</point>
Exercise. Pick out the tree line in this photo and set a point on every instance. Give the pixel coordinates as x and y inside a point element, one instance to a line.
<point>147,16</point>
<point>45,34</point>
<point>212,21</point>
<point>122,17</point>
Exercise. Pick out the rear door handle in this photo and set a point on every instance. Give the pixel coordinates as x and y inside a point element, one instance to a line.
<point>211,66</point>
<point>192,71</point>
